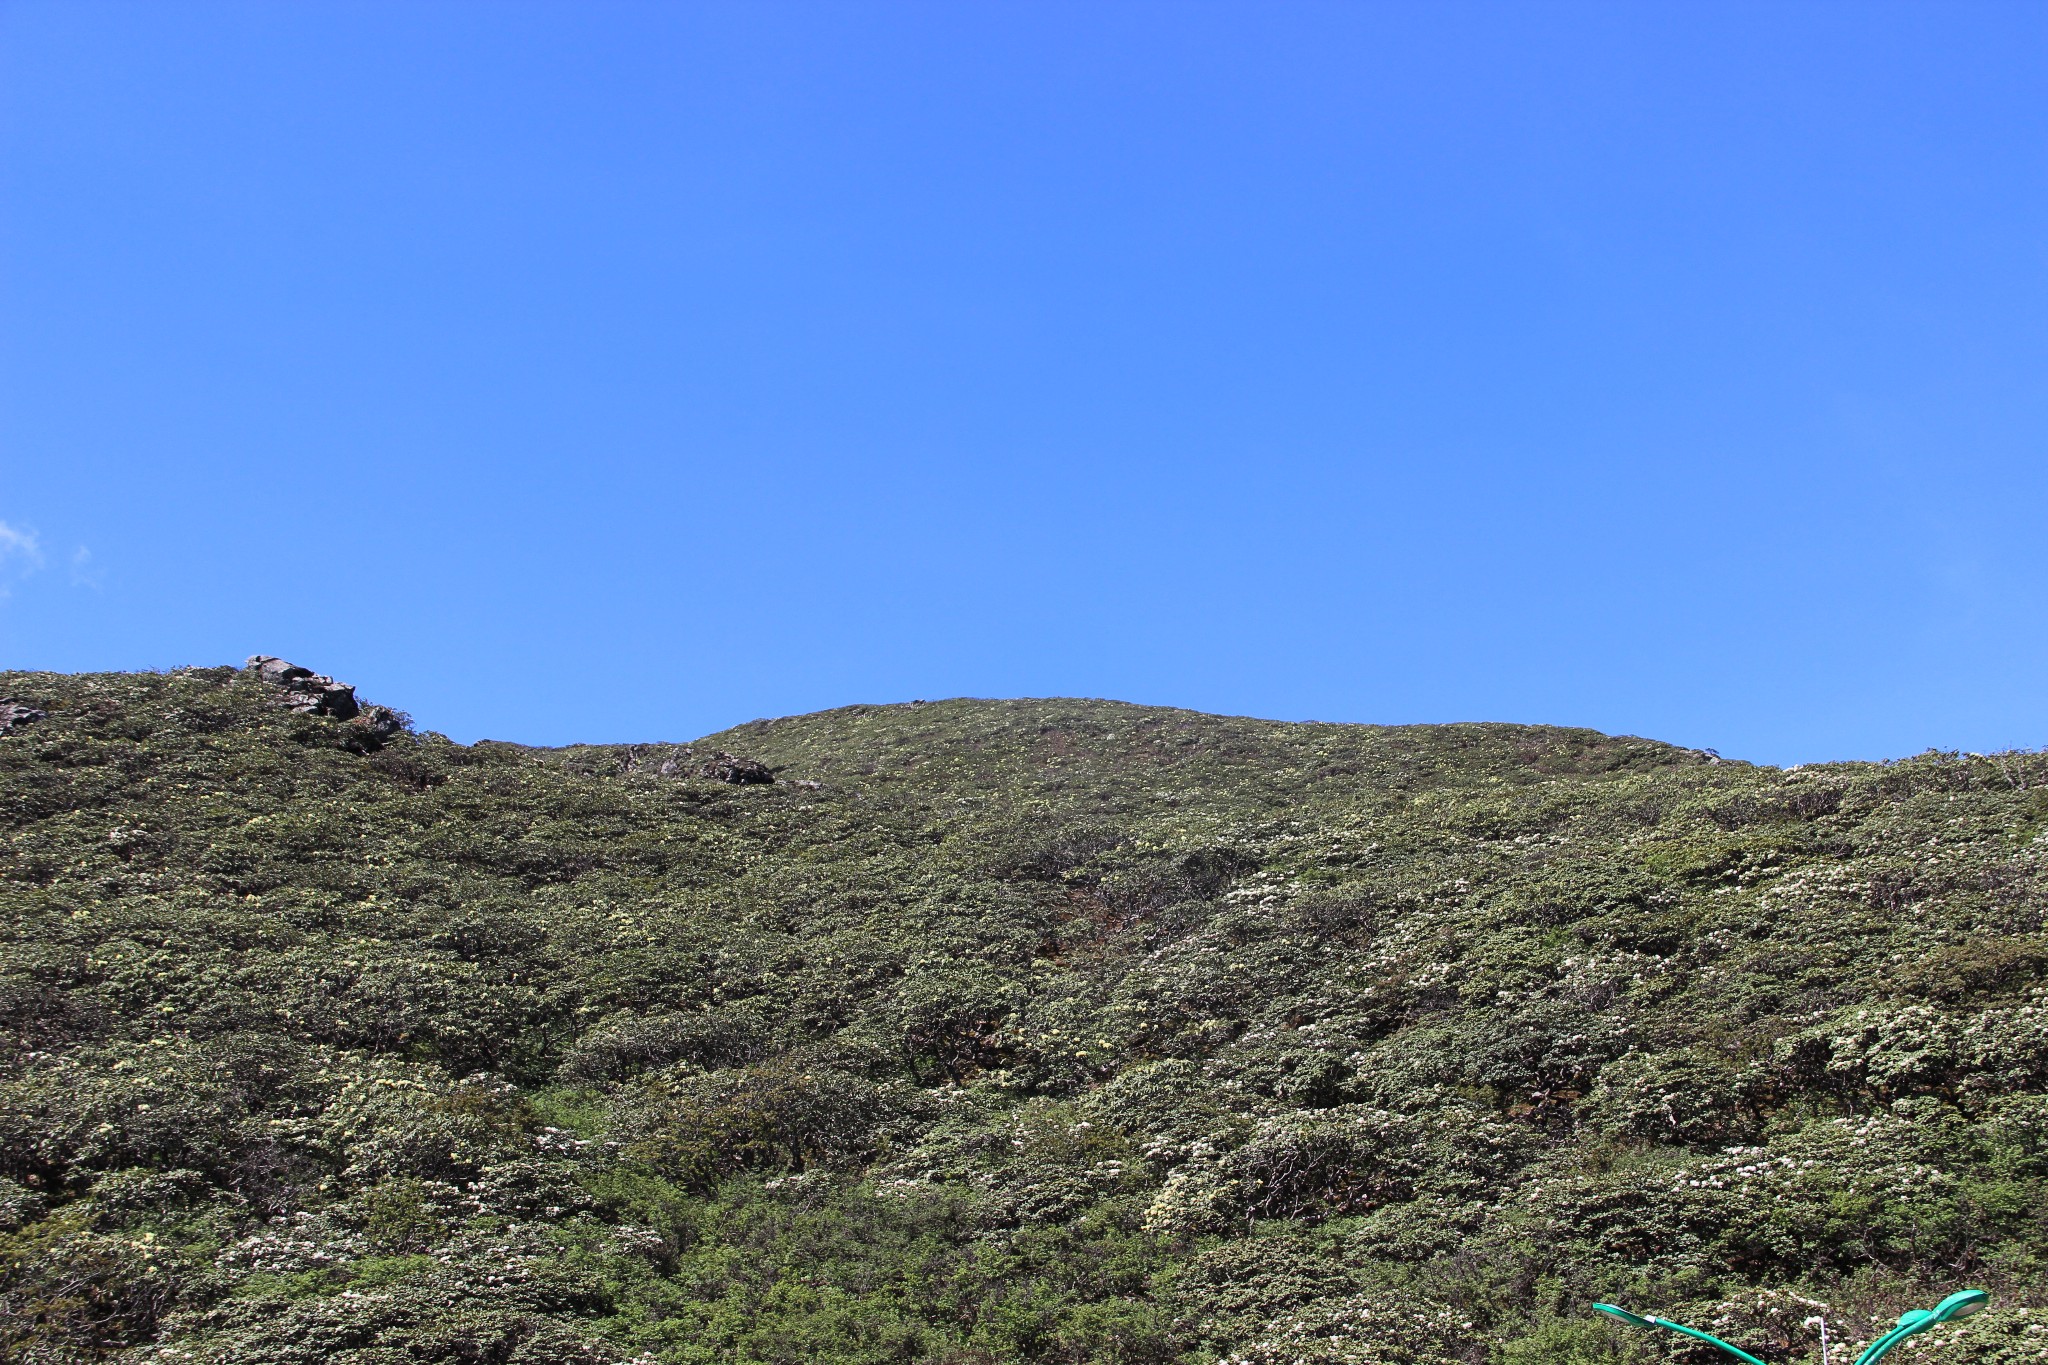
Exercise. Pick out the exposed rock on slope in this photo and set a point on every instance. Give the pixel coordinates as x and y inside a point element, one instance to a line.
<point>741,772</point>
<point>304,691</point>
<point>676,760</point>
<point>315,694</point>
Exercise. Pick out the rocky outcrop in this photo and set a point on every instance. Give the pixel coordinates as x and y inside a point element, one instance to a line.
<point>307,692</point>
<point>315,694</point>
<point>14,715</point>
<point>682,761</point>
<point>744,772</point>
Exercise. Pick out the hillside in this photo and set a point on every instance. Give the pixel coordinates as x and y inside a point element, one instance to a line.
<point>982,1032</point>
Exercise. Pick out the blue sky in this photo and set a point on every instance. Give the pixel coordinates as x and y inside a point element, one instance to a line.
<point>625,371</point>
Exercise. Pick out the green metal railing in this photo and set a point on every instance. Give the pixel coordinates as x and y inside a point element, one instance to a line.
<point>1957,1305</point>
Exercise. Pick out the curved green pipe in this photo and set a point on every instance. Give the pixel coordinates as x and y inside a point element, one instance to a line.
<point>1653,1321</point>
<point>1957,1305</point>
<point>1876,1350</point>
<point>1960,1304</point>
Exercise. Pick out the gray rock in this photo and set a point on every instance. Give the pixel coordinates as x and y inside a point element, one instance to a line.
<point>304,691</point>
<point>276,670</point>
<point>14,715</point>
<point>744,772</point>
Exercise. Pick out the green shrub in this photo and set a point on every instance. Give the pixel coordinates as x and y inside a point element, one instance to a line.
<point>1000,1032</point>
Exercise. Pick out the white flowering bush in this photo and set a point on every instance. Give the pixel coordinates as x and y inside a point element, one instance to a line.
<point>1365,1329</point>
<point>1683,1098</point>
<point>1889,1051</point>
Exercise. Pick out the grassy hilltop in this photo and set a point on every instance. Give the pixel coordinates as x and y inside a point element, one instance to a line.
<point>1000,1031</point>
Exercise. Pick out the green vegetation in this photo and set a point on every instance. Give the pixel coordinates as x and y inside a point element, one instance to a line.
<point>1002,1031</point>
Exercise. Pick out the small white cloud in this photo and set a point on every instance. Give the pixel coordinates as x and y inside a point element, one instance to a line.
<point>83,574</point>
<point>20,548</point>
<point>21,554</point>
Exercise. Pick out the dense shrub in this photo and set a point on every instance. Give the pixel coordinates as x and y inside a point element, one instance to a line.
<point>698,1129</point>
<point>1000,1032</point>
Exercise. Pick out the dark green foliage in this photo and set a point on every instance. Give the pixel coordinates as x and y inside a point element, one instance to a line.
<point>1000,1031</point>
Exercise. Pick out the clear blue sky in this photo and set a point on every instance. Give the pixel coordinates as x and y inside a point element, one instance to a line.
<point>623,371</point>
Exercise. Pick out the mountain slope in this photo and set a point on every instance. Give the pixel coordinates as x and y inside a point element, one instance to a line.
<point>1032,1030</point>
